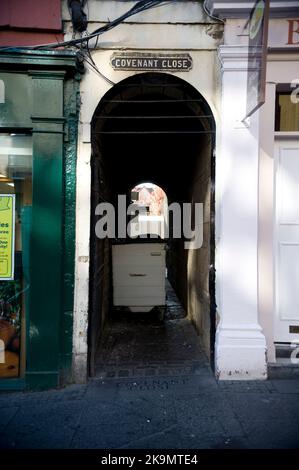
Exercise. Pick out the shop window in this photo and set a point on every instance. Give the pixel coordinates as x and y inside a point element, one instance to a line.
<point>15,223</point>
<point>287,111</point>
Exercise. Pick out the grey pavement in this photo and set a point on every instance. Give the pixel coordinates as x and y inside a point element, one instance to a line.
<point>153,389</point>
<point>187,411</point>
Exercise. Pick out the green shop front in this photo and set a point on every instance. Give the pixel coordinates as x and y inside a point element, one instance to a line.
<point>39,100</point>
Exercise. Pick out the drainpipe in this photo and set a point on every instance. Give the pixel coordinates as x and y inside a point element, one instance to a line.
<point>79,18</point>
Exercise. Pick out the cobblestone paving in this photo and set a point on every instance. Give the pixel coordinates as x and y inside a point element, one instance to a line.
<point>139,345</point>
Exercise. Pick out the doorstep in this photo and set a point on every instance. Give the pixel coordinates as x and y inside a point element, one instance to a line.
<point>283,370</point>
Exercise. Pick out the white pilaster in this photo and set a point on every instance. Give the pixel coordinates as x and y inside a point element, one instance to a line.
<point>266,219</point>
<point>81,298</point>
<point>240,349</point>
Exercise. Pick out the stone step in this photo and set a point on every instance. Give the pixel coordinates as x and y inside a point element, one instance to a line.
<point>283,370</point>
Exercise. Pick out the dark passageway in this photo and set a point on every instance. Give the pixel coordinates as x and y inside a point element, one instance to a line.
<point>154,127</point>
<point>138,345</point>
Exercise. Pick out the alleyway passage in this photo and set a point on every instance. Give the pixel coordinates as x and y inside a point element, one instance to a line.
<point>139,345</point>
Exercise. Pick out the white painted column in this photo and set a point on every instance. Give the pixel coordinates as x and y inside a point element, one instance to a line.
<point>81,298</point>
<point>266,219</point>
<point>240,349</point>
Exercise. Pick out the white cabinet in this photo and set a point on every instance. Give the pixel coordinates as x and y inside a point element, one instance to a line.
<point>139,276</point>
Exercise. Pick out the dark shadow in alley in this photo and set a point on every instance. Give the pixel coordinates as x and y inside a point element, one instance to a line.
<point>153,128</point>
<point>138,344</point>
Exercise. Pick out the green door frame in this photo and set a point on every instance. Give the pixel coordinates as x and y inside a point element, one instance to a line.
<point>50,111</point>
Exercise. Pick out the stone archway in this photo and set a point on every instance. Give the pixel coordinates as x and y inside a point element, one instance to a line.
<point>155,127</point>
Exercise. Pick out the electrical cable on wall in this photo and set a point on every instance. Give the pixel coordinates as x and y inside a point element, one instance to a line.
<point>89,60</point>
<point>139,7</point>
<point>79,21</point>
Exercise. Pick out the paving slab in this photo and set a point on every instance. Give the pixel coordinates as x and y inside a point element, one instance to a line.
<point>154,389</point>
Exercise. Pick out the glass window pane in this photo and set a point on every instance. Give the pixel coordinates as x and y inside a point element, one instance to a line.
<point>15,223</point>
<point>287,113</point>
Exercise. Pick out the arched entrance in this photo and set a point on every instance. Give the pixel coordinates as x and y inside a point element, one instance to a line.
<point>155,127</point>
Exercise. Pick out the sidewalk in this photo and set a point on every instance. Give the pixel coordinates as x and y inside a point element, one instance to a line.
<point>187,411</point>
<point>154,389</point>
